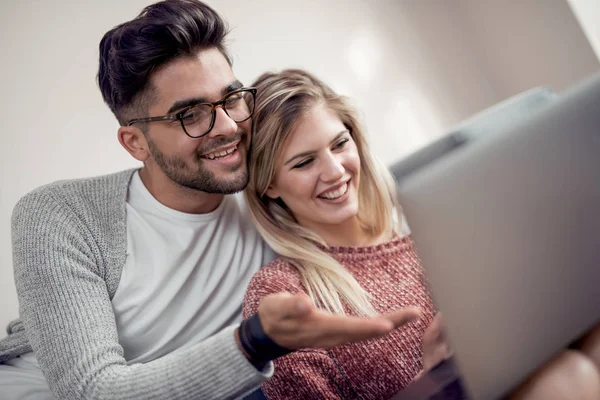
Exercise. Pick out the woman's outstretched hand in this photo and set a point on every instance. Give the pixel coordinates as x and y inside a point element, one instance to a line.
<point>292,321</point>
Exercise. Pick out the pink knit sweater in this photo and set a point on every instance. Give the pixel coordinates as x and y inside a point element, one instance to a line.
<point>377,369</point>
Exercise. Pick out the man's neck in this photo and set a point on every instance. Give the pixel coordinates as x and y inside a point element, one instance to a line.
<point>177,197</point>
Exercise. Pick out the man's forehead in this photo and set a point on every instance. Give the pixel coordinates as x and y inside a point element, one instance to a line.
<point>205,75</point>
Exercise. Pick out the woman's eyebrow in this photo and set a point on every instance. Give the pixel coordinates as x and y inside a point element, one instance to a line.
<point>306,153</point>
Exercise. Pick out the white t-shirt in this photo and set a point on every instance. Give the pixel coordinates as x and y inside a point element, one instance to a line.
<point>185,275</point>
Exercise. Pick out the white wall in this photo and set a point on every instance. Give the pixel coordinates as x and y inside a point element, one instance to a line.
<point>588,15</point>
<point>415,67</point>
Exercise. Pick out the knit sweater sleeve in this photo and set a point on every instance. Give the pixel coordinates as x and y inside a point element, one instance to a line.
<point>69,320</point>
<point>306,374</point>
<point>303,374</point>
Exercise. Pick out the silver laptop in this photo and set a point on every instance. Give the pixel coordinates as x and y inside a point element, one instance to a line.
<point>508,228</point>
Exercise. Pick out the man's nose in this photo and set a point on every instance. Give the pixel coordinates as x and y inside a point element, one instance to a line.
<point>223,124</point>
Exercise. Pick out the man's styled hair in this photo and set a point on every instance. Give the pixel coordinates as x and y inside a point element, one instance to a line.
<point>282,100</point>
<point>162,32</point>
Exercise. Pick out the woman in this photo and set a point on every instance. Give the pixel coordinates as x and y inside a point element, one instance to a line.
<point>328,208</point>
<point>322,202</point>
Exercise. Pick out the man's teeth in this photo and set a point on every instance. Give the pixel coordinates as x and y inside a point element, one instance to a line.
<point>218,154</point>
<point>336,193</point>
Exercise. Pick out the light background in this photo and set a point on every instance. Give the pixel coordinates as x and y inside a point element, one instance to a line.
<point>414,68</point>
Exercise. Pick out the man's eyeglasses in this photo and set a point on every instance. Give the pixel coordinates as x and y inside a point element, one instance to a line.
<point>198,120</point>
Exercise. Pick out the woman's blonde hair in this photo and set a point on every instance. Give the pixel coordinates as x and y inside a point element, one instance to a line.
<point>282,100</point>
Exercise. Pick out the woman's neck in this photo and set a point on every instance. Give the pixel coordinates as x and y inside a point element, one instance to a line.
<point>349,234</point>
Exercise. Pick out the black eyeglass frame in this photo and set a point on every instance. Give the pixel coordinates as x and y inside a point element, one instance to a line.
<point>220,103</point>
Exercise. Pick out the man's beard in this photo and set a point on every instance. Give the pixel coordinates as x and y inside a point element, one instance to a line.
<point>202,178</point>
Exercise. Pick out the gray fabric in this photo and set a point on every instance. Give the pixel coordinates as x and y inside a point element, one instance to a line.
<point>22,379</point>
<point>69,247</point>
<point>493,119</point>
<point>14,345</point>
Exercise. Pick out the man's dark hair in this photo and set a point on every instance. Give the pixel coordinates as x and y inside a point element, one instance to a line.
<point>163,31</point>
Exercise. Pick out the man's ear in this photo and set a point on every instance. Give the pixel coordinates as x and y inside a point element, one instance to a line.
<point>134,141</point>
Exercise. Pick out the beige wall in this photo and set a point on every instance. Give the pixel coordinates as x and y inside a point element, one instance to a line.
<point>414,67</point>
<point>527,43</point>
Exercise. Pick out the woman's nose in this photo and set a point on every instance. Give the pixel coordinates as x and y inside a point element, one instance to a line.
<point>333,168</point>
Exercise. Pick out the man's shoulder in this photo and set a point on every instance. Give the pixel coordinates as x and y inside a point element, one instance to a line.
<point>80,192</point>
<point>81,186</point>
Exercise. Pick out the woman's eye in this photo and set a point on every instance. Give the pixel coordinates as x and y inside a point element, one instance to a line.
<point>341,143</point>
<point>303,163</point>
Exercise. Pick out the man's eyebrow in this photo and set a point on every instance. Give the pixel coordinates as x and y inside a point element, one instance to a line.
<point>180,104</point>
<point>231,87</point>
<point>306,153</point>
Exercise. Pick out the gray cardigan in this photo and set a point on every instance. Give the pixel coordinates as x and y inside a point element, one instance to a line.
<point>69,247</point>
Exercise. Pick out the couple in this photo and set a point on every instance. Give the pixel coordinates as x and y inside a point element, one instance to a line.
<point>131,285</point>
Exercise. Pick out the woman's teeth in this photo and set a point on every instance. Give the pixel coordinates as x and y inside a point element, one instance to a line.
<point>335,193</point>
<point>219,154</point>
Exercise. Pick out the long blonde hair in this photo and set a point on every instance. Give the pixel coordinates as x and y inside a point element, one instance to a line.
<point>282,100</point>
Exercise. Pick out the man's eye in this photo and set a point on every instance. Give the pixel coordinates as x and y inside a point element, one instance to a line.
<point>233,100</point>
<point>303,163</point>
<point>188,116</point>
<point>196,114</point>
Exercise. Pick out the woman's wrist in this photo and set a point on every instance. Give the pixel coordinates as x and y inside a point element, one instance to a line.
<point>256,345</point>
<point>259,365</point>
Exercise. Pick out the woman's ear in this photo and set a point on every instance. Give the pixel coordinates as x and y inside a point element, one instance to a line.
<point>272,192</point>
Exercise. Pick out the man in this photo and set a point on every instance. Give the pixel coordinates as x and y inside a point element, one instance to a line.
<point>130,285</point>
